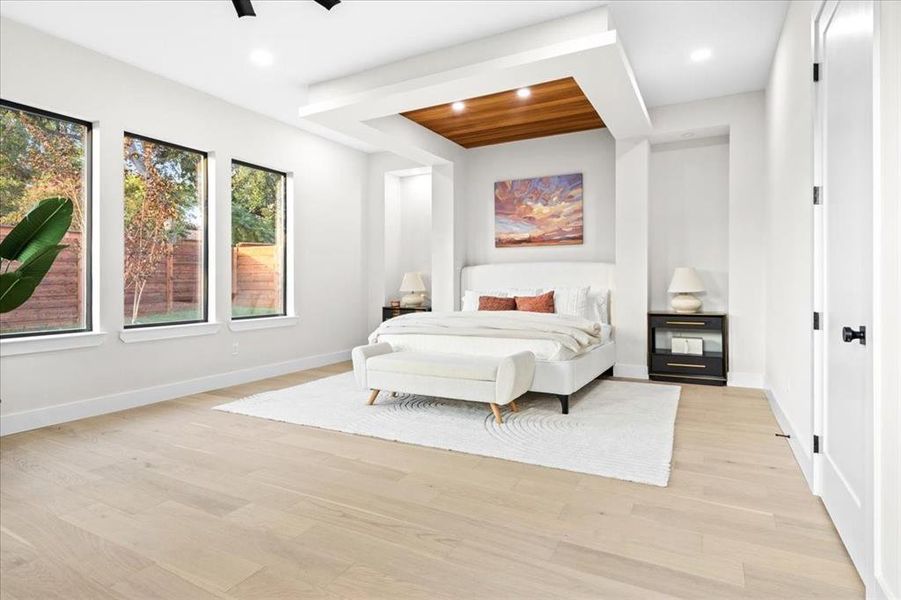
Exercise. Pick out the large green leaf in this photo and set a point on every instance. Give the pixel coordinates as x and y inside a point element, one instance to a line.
<point>44,226</point>
<point>38,265</point>
<point>15,289</point>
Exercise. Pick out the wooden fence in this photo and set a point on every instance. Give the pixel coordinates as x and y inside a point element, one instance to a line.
<point>175,286</point>
<point>256,284</point>
<point>56,303</point>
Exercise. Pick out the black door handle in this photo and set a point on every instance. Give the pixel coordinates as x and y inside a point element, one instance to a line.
<point>849,335</point>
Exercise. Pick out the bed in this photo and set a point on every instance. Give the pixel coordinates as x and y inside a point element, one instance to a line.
<point>561,368</point>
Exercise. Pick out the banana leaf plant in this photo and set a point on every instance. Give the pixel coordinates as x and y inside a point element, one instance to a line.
<point>33,244</point>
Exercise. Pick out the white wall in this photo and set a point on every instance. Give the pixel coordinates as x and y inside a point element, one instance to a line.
<point>408,231</point>
<point>689,218</point>
<point>447,237</point>
<point>393,227</point>
<point>742,117</point>
<point>590,153</point>
<point>462,210</point>
<point>328,203</point>
<point>887,385</point>
<point>448,230</point>
<point>629,299</point>
<point>789,223</point>
<point>721,184</point>
<point>379,185</point>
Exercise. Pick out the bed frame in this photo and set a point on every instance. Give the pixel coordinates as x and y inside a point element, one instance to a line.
<point>565,377</point>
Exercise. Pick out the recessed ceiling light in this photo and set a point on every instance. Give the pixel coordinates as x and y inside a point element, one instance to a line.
<point>261,57</point>
<point>458,106</point>
<point>523,92</point>
<point>701,54</point>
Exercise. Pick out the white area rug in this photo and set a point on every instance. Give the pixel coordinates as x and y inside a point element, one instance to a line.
<point>614,429</point>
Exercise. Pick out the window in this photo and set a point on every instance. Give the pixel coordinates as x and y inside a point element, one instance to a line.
<point>258,241</point>
<point>165,233</point>
<point>45,155</point>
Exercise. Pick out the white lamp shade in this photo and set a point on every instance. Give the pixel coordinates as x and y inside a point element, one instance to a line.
<point>412,283</point>
<point>685,281</point>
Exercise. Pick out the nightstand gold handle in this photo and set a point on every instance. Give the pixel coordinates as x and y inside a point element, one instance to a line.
<point>685,323</point>
<point>686,365</point>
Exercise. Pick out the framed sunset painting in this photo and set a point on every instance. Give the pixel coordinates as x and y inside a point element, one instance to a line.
<point>541,211</point>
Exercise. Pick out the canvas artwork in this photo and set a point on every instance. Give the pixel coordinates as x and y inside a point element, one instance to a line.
<point>541,211</point>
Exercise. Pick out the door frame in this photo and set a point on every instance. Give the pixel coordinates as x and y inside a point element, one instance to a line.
<point>820,20</point>
<point>827,7</point>
<point>887,298</point>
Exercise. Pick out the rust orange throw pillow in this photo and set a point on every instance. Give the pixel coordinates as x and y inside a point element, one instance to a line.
<point>496,303</point>
<point>543,303</point>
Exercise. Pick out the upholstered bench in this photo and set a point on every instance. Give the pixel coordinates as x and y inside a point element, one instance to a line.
<point>498,381</point>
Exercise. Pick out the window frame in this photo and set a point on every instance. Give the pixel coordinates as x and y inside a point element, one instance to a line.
<point>284,312</point>
<point>205,315</point>
<point>87,238</point>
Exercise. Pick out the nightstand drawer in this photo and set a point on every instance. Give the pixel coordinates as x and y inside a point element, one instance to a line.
<point>687,322</point>
<point>389,312</point>
<point>684,364</point>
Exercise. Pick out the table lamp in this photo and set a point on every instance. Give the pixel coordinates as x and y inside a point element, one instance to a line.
<point>413,284</point>
<point>685,283</point>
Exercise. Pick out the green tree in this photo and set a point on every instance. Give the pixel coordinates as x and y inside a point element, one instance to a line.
<point>161,208</point>
<point>256,196</point>
<point>14,171</point>
<point>40,157</point>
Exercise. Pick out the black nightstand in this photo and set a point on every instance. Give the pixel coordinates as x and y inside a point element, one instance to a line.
<point>389,312</point>
<point>708,368</point>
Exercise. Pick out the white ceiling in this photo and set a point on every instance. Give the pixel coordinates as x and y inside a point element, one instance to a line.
<point>659,36</point>
<point>203,44</point>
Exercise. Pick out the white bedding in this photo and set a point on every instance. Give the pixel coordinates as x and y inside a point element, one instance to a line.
<point>550,337</point>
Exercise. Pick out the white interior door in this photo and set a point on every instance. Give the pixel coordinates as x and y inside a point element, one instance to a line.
<point>846,88</point>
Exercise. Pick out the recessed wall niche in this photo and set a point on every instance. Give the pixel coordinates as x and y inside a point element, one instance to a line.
<point>688,218</point>
<point>408,228</point>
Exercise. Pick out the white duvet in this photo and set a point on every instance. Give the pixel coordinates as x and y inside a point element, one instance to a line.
<point>496,333</point>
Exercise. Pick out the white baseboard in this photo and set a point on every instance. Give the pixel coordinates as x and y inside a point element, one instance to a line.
<point>748,380</point>
<point>631,371</point>
<point>800,448</point>
<point>63,413</point>
<point>884,589</point>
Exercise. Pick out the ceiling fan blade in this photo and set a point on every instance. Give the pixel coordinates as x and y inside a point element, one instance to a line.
<point>327,4</point>
<point>244,8</point>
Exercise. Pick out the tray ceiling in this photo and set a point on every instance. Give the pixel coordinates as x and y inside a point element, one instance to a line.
<point>551,108</point>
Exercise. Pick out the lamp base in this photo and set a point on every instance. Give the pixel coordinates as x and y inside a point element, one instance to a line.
<point>685,303</point>
<point>411,300</point>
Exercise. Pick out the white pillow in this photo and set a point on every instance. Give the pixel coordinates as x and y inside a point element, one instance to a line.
<point>513,292</point>
<point>571,301</point>
<point>599,307</point>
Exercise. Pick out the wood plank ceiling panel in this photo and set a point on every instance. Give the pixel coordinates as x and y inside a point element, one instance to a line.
<point>552,108</point>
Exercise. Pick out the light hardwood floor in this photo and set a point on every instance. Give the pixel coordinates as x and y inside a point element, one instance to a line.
<point>179,501</point>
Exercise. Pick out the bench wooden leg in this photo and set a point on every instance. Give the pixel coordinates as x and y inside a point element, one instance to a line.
<point>513,406</point>
<point>497,413</point>
<point>373,396</point>
<point>564,403</point>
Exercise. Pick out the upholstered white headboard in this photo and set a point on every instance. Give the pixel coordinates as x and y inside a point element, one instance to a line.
<point>598,275</point>
<point>537,274</point>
